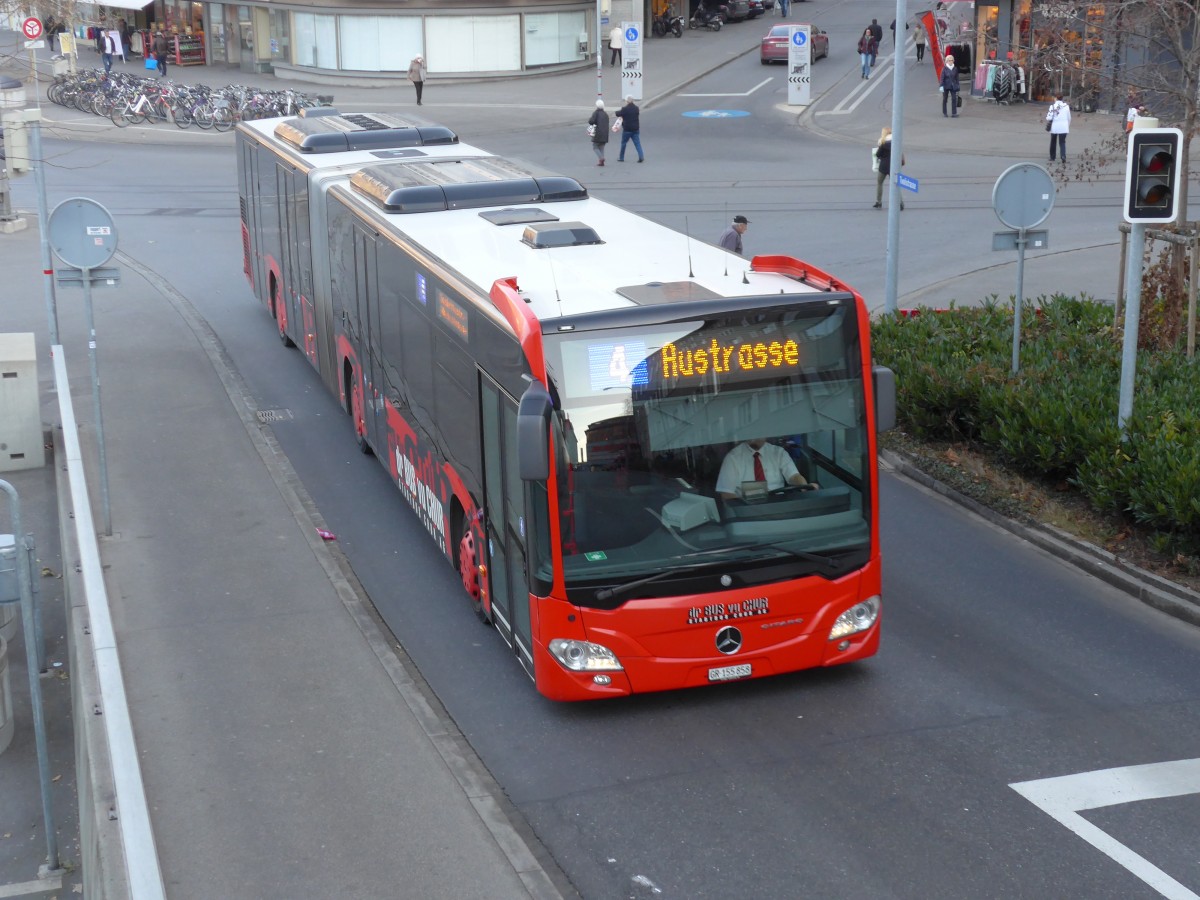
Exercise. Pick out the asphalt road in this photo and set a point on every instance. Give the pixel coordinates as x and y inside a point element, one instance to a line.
<point>890,778</point>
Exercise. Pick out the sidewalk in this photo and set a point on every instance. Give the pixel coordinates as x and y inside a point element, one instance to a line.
<point>241,636</point>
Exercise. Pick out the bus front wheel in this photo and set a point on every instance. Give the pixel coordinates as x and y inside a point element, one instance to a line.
<point>467,563</point>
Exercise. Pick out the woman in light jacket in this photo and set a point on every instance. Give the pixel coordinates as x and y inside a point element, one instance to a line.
<point>1059,118</point>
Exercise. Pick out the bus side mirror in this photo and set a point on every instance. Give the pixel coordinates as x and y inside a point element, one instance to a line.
<point>533,433</point>
<point>884,381</point>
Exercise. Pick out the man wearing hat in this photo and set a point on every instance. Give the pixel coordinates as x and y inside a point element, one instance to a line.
<point>731,237</point>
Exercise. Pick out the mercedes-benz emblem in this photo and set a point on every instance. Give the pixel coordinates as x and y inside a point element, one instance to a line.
<point>729,640</point>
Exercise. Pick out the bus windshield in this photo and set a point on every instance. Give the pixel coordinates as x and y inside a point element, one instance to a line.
<point>688,449</point>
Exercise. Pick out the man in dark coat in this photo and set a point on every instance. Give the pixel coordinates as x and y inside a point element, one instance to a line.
<point>631,128</point>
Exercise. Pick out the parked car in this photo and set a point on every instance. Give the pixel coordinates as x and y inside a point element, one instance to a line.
<point>735,10</point>
<point>756,9</point>
<point>775,44</point>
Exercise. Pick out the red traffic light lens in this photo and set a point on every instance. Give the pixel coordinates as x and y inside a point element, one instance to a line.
<point>1155,159</point>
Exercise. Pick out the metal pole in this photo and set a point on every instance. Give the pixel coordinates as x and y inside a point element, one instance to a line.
<point>91,324</point>
<point>599,51</point>
<point>25,579</point>
<point>1133,306</point>
<point>35,151</point>
<point>893,225</point>
<point>1121,279</point>
<point>1016,350</point>
<point>1193,269</point>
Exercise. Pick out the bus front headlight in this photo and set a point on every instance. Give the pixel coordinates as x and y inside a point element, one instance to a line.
<point>859,617</point>
<point>584,656</point>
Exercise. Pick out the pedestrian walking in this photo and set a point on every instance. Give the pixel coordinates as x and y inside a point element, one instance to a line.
<point>598,129</point>
<point>1058,123</point>
<point>109,49</point>
<point>416,74</point>
<point>631,127</point>
<point>866,50</point>
<point>160,52</point>
<point>876,32</point>
<point>949,87</point>
<point>883,166</point>
<point>731,237</point>
<point>785,8</point>
<point>919,39</point>
<point>616,41</point>
<point>894,31</point>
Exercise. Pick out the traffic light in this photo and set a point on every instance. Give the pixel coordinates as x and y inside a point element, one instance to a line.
<point>1152,175</point>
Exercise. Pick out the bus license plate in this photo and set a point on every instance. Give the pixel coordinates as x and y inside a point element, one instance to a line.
<point>729,673</point>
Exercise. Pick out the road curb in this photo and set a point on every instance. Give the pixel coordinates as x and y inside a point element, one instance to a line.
<point>1159,593</point>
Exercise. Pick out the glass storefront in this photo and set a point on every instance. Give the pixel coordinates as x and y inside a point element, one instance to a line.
<point>281,35</point>
<point>552,38</point>
<point>333,42</point>
<point>316,41</point>
<point>379,43</point>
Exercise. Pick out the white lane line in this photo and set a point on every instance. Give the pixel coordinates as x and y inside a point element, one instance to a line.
<point>29,888</point>
<point>1064,797</point>
<point>854,99</point>
<point>844,108</point>
<point>742,94</point>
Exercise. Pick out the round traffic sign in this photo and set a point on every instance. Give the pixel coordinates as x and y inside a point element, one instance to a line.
<point>799,38</point>
<point>82,233</point>
<point>32,28</point>
<point>1023,196</point>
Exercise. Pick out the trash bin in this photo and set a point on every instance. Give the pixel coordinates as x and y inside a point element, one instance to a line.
<point>10,588</point>
<point>12,93</point>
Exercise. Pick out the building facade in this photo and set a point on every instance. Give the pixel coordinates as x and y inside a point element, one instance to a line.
<point>375,42</point>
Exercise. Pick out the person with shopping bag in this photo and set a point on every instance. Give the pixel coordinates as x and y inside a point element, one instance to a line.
<point>949,87</point>
<point>882,165</point>
<point>160,52</point>
<point>1058,123</point>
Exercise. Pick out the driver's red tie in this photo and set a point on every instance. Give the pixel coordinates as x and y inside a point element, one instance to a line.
<point>759,474</point>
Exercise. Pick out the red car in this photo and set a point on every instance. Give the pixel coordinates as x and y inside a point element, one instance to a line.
<point>775,44</point>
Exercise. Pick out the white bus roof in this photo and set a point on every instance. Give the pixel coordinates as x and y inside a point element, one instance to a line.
<point>394,138</point>
<point>612,258</point>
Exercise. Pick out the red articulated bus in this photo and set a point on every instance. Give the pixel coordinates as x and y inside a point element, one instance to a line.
<point>571,396</point>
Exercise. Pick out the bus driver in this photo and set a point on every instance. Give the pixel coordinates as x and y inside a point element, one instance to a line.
<point>757,460</point>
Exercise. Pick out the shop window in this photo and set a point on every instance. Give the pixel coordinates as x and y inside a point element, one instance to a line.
<point>553,37</point>
<point>281,35</point>
<point>316,41</point>
<point>379,43</point>
<point>473,43</point>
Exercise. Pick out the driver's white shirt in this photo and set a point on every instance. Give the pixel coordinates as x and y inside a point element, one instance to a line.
<point>738,466</point>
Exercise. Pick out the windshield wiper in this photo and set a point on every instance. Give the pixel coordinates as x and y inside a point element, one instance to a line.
<point>827,561</point>
<point>608,593</point>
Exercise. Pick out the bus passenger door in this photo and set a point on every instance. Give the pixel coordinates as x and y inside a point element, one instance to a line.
<point>364,335</point>
<point>506,521</point>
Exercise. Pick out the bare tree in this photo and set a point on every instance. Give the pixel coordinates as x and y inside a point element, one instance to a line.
<point>1152,58</point>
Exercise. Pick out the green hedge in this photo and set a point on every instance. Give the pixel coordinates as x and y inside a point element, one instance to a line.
<point>1057,418</point>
